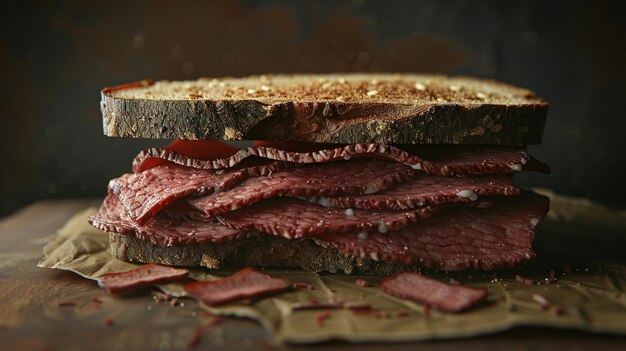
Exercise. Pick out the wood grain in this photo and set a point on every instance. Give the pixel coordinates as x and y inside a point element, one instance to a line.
<point>33,316</point>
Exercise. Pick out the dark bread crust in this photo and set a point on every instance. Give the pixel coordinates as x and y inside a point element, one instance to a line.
<point>262,251</point>
<point>328,108</point>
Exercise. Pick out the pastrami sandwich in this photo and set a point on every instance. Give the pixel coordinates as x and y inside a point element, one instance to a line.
<point>348,173</point>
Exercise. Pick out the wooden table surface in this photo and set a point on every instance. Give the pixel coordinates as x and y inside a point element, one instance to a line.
<point>35,313</point>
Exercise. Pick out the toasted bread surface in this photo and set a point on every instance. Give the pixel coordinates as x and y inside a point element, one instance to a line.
<point>332,108</point>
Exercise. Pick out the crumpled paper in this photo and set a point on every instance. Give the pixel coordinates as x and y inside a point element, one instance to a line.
<point>580,241</point>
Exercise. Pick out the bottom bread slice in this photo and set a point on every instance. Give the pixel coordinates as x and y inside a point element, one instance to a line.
<point>260,251</point>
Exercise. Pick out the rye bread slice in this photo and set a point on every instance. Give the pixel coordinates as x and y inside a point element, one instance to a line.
<point>332,108</point>
<point>262,251</point>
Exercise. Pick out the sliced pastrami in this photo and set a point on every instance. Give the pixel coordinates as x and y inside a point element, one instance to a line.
<point>336,178</point>
<point>321,155</point>
<point>456,238</point>
<point>442,160</point>
<point>463,160</point>
<point>180,209</point>
<point>424,190</point>
<point>245,284</point>
<point>146,275</point>
<point>430,292</point>
<point>293,218</point>
<point>144,194</point>
<point>198,149</point>
<point>161,230</point>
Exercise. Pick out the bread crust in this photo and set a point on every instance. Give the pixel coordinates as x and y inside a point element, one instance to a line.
<point>350,108</point>
<point>261,251</point>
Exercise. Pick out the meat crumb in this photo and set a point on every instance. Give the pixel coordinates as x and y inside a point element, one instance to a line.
<point>159,296</point>
<point>402,314</point>
<point>96,303</point>
<point>334,300</point>
<point>108,322</point>
<point>368,312</point>
<point>541,300</point>
<point>357,306</point>
<point>321,318</point>
<point>523,280</point>
<point>196,338</point>
<point>547,305</point>
<point>558,310</point>
<point>361,282</point>
<point>426,311</point>
<point>303,285</point>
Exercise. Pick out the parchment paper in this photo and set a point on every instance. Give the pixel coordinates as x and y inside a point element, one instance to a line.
<point>579,237</point>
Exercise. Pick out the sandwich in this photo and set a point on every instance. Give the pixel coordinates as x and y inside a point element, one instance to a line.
<point>352,173</point>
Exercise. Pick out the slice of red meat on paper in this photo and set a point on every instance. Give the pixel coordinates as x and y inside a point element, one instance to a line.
<point>245,284</point>
<point>294,218</point>
<point>456,238</point>
<point>146,275</point>
<point>430,292</point>
<point>336,178</point>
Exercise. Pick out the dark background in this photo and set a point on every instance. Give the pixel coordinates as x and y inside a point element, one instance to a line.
<point>55,56</point>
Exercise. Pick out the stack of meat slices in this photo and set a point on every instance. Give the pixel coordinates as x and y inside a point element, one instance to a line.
<point>442,207</point>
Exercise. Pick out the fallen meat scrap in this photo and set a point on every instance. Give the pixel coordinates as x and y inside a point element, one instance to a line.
<point>321,318</point>
<point>245,284</point>
<point>430,292</point>
<point>547,305</point>
<point>149,274</point>
<point>525,281</point>
<point>361,282</point>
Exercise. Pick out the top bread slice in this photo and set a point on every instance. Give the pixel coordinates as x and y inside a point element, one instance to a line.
<point>331,108</point>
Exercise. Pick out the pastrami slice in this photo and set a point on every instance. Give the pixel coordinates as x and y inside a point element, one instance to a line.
<point>293,218</point>
<point>430,292</point>
<point>245,284</point>
<point>161,230</point>
<point>317,156</point>
<point>442,160</point>
<point>456,238</point>
<point>144,194</point>
<point>149,274</point>
<point>424,190</point>
<point>337,178</point>
<point>464,160</point>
